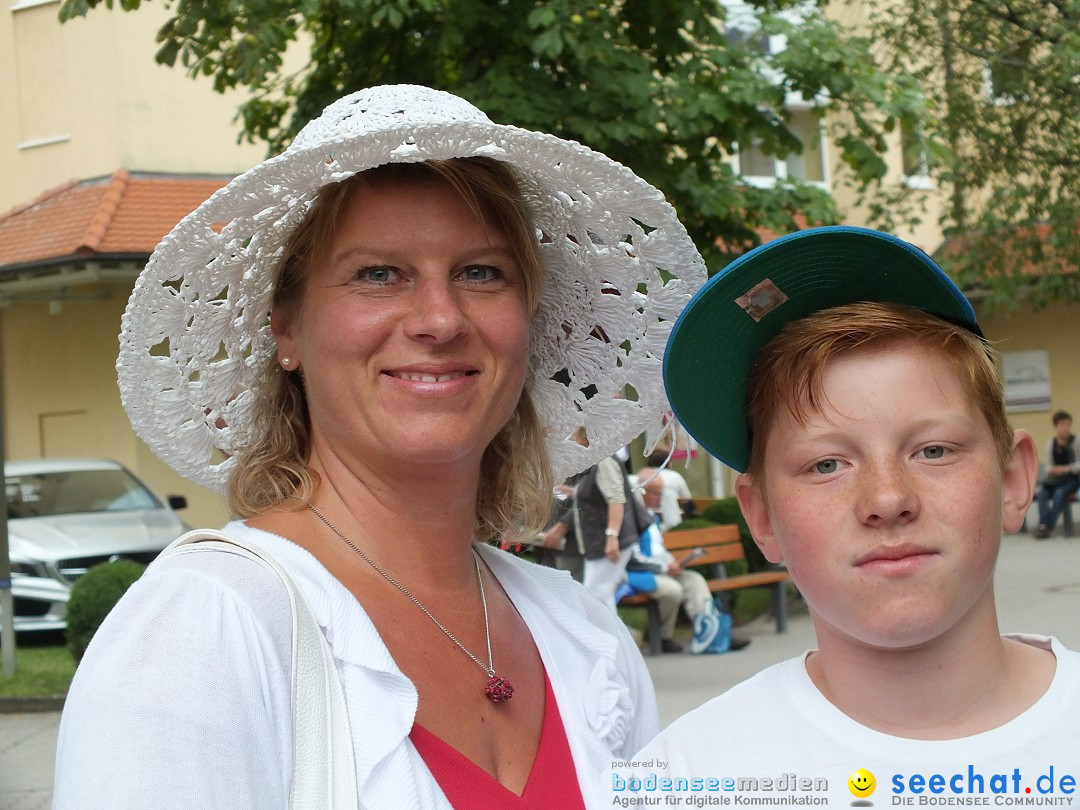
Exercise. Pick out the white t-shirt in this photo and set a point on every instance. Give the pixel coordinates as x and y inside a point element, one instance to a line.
<point>776,741</point>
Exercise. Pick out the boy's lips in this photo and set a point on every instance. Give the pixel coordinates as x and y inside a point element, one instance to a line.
<point>889,555</point>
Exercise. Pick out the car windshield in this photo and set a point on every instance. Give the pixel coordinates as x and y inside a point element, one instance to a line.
<point>72,491</point>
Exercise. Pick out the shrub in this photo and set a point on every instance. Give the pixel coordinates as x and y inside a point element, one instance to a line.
<point>95,594</point>
<point>693,523</point>
<point>726,510</point>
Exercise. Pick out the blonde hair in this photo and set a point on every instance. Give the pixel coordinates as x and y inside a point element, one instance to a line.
<point>514,491</point>
<point>788,371</point>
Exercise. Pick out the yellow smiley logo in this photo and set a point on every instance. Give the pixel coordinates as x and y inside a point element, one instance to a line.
<point>861,783</point>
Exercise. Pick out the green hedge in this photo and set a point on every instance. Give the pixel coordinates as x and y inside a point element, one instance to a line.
<point>95,594</point>
<point>726,510</point>
<point>693,523</point>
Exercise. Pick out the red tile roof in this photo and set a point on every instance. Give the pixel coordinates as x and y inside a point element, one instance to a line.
<point>763,235</point>
<point>126,213</point>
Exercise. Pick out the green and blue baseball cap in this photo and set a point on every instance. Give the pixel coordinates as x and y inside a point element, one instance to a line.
<point>716,339</point>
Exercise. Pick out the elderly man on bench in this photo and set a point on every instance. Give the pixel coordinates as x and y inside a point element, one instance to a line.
<point>655,572</point>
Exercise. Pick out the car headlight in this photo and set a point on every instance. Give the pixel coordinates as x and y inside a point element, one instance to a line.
<point>28,569</point>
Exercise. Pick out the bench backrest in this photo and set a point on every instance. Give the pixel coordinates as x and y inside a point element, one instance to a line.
<point>720,543</point>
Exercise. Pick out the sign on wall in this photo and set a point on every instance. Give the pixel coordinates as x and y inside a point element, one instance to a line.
<point>1027,380</point>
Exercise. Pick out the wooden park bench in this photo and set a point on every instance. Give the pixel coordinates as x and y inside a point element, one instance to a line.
<point>721,545</point>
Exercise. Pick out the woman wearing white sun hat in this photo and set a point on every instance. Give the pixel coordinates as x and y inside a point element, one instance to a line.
<point>379,343</point>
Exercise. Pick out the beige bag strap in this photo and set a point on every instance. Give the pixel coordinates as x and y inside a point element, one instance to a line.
<point>324,768</point>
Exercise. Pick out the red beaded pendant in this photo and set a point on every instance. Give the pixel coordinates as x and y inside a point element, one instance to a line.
<point>498,690</point>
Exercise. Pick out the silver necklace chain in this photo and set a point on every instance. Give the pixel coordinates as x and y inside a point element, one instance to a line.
<point>489,667</point>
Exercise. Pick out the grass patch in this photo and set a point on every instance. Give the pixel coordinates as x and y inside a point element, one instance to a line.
<point>43,667</point>
<point>635,618</point>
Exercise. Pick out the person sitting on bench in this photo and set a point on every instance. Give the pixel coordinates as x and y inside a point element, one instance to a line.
<point>1063,475</point>
<point>654,571</point>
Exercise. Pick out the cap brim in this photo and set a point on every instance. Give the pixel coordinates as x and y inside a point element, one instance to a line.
<point>716,340</point>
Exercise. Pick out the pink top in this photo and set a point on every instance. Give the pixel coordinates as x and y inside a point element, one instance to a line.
<point>552,781</point>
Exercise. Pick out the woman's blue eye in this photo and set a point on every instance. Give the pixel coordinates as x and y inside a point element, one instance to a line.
<point>479,272</point>
<point>380,275</point>
<point>934,452</point>
<point>826,466</point>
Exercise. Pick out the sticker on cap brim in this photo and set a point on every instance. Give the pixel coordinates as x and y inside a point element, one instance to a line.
<point>761,299</point>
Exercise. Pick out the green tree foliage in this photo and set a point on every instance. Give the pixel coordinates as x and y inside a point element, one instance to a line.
<point>1000,136</point>
<point>660,85</point>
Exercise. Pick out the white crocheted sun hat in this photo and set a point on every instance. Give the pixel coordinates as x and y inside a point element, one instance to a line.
<point>195,339</point>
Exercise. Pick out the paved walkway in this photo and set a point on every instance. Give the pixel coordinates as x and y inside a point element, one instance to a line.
<point>27,750</point>
<point>1038,588</point>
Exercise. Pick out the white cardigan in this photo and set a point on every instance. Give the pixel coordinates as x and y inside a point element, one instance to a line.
<point>182,699</point>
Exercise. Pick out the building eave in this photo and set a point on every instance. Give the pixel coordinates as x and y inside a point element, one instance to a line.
<point>52,279</point>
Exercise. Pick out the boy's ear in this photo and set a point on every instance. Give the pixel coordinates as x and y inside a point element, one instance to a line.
<point>1018,483</point>
<point>755,510</point>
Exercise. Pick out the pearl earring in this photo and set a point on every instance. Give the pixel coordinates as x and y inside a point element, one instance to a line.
<point>286,362</point>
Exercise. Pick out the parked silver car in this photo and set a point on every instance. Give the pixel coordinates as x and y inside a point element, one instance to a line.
<point>66,515</point>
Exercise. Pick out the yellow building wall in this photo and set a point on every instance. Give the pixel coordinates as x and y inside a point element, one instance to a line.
<point>79,100</point>
<point>1054,330</point>
<point>85,98</point>
<point>61,398</point>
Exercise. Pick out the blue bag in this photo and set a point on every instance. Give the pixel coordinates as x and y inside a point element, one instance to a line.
<point>712,631</point>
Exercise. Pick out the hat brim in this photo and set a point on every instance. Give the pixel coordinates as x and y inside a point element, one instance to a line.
<point>195,339</point>
<point>716,340</point>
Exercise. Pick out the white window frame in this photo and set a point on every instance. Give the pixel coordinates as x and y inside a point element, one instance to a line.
<point>920,181</point>
<point>996,99</point>
<point>21,5</point>
<point>780,167</point>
